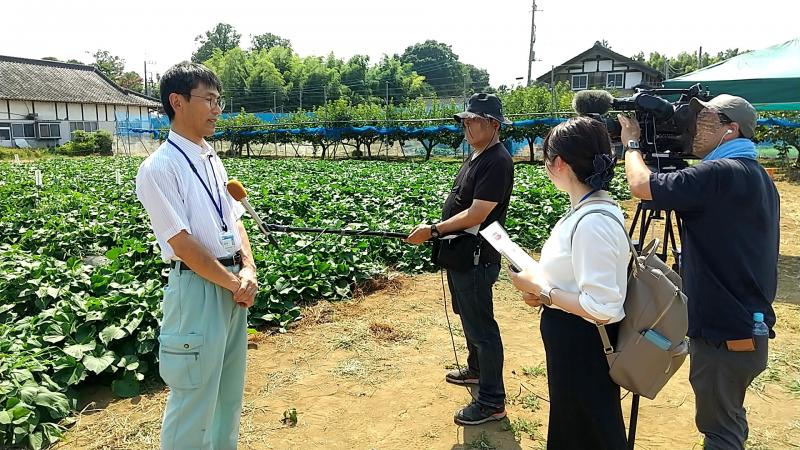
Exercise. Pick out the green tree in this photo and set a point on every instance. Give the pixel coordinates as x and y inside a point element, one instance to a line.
<point>233,69</point>
<point>290,66</point>
<point>438,64</point>
<point>232,128</point>
<point>684,62</point>
<point>265,82</point>
<point>479,80</point>
<point>131,80</point>
<point>355,79</point>
<point>110,65</point>
<point>268,40</point>
<point>154,86</point>
<point>398,79</point>
<point>285,60</point>
<point>783,138</point>
<point>534,102</point>
<point>427,113</point>
<point>319,82</point>
<point>222,37</point>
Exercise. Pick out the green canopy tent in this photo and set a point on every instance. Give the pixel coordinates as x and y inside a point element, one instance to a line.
<point>768,78</point>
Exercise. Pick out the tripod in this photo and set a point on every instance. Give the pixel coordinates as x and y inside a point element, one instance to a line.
<point>646,212</point>
<point>644,216</point>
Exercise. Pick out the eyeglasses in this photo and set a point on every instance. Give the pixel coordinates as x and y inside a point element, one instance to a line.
<point>219,101</point>
<point>473,120</point>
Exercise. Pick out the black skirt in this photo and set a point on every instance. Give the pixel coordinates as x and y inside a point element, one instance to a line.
<point>585,406</point>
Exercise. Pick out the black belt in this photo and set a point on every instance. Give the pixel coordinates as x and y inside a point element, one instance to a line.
<point>234,260</point>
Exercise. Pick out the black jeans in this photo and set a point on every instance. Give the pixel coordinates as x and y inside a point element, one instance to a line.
<point>472,301</point>
<point>720,379</point>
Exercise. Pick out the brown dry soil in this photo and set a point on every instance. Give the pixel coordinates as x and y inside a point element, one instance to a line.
<point>368,374</point>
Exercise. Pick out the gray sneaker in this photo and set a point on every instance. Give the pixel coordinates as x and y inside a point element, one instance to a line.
<point>462,377</point>
<point>476,414</point>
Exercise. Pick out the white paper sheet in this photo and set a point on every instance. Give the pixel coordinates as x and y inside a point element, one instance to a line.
<point>498,238</point>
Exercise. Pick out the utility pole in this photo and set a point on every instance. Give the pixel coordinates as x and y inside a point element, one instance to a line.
<point>464,91</point>
<point>666,68</point>
<point>386,111</point>
<point>700,57</point>
<point>531,53</point>
<point>301,97</point>
<point>147,90</point>
<point>274,103</point>
<point>145,76</point>
<point>553,85</point>
<point>325,94</point>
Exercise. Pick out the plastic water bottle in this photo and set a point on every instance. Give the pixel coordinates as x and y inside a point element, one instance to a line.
<point>759,328</point>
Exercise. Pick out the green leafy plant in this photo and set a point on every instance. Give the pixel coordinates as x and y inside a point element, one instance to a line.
<point>82,275</point>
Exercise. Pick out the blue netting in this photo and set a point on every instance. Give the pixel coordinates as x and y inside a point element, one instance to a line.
<point>336,133</point>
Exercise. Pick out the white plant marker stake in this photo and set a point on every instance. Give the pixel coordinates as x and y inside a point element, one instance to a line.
<point>37,177</point>
<point>16,159</point>
<point>119,176</point>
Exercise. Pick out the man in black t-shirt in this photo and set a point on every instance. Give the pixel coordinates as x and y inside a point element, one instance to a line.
<point>480,196</point>
<point>730,209</point>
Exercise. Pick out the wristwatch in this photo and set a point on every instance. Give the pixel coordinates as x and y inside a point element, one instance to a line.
<point>434,231</point>
<point>544,296</point>
<point>632,145</point>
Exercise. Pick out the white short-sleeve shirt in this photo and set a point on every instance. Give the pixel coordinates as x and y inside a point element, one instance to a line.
<point>594,264</point>
<point>176,200</point>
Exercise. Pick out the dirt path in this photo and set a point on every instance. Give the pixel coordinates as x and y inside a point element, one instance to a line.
<point>368,374</point>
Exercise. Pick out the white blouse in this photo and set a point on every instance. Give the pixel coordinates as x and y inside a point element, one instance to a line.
<point>595,264</point>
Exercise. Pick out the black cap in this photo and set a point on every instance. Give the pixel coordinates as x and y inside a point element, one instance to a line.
<point>483,105</point>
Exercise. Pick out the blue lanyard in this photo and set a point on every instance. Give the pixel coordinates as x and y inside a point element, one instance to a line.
<point>589,194</point>
<point>217,207</point>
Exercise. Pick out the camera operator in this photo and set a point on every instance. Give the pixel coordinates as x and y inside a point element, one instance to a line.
<point>729,208</point>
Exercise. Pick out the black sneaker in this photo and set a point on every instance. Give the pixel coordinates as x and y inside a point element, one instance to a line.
<point>462,376</point>
<point>476,414</point>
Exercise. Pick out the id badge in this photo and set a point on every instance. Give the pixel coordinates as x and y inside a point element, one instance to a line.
<point>227,242</point>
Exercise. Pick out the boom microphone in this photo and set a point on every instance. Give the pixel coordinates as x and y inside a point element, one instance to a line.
<point>592,101</point>
<point>239,194</point>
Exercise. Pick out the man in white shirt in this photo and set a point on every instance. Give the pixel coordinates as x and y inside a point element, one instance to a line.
<point>212,281</point>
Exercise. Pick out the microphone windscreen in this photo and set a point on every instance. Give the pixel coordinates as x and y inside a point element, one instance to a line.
<point>236,190</point>
<point>592,101</point>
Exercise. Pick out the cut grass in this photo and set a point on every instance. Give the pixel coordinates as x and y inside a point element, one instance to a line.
<point>536,371</point>
<point>522,426</point>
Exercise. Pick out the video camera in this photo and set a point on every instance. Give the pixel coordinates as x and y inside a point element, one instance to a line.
<point>668,128</point>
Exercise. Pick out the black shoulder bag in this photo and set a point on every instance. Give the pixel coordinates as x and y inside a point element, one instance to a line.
<point>459,251</point>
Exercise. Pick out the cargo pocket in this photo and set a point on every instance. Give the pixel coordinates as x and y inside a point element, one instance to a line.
<point>181,361</point>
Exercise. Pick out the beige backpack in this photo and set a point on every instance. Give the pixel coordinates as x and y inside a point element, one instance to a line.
<point>651,345</point>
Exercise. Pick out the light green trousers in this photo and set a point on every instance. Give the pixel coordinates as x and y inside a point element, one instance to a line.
<point>202,356</point>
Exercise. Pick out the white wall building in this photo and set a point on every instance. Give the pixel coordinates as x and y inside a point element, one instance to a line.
<point>600,67</point>
<point>43,102</point>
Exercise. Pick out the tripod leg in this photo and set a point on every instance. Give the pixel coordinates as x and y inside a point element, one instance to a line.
<point>672,241</point>
<point>634,418</point>
<point>647,218</point>
<point>635,219</point>
<point>669,238</point>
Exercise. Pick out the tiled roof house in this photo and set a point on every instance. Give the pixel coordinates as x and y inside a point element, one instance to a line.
<point>43,102</point>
